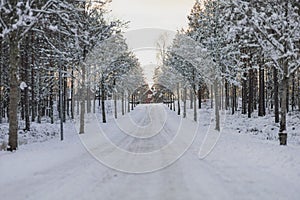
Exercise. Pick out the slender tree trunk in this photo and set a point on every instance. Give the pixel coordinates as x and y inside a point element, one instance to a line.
<point>226,95</point>
<point>287,97</point>
<point>276,95</point>
<point>211,96</point>
<point>72,95</point>
<point>261,103</point>
<point>88,100</point>
<point>250,98</point>
<point>199,96</point>
<point>82,103</point>
<point>298,92</point>
<point>103,103</point>
<point>191,99</point>
<point>13,94</point>
<point>94,102</point>
<point>293,92</point>
<point>244,96</point>
<point>195,104</point>
<point>51,104</point>
<point>233,99</point>
<point>115,104</point>
<point>123,103</point>
<point>128,102</point>
<point>217,110</point>
<point>65,98</point>
<point>178,100</point>
<point>33,99</point>
<point>184,101</point>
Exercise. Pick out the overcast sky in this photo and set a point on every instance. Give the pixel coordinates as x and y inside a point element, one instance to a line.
<point>157,16</point>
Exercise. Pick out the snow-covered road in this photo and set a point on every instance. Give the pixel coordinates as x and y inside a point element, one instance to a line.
<point>239,167</point>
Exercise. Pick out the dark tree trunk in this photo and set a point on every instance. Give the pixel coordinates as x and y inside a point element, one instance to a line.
<point>178,99</point>
<point>226,95</point>
<point>233,99</point>
<point>250,90</point>
<point>33,101</point>
<point>199,96</point>
<point>293,92</point>
<point>261,103</point>
<point>244,95</point>
<point>13,94</point>
<point>276,95</point>
<point>103,103</point>
<point>65,98</point>
<point>72,95</point>
<point>287,97</point>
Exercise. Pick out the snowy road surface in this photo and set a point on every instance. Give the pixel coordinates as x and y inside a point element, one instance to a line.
<point>239,167</point>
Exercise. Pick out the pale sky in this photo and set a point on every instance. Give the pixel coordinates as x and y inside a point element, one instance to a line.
<point>148,20</point>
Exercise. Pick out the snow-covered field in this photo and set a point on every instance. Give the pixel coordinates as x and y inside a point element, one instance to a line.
<point>240,166</point>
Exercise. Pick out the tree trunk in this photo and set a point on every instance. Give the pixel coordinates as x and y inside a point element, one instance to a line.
<point>293,92</point>
<point>282,132</point>
<point>103,103</point>
<point>250,91</point>
<point>65,98</point>
<point>195,104</point>
<point>123,103</point>
<point>72,95</point>
<point>128,102</point>
<point>88,100</point>
<point>191,99</point>
<point>287,97</point>
<point>1,86</point>
<point>211,96</point>
<point>178,100</point>
<point>244,95</point>
<point>261,102</point>
<point>13,94</point>
<point>82,103</point>
<point>217,111</point>
<point>233,99</point>
<point>226,95</point>
<point>276,95</point>
<point>33,99</point>
<point>115,104</point>
<point>184,101</point>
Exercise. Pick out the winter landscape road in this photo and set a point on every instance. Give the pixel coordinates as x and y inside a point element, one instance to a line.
<point>239,167</point>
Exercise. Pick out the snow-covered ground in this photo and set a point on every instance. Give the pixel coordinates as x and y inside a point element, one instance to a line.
<point>241,166</point>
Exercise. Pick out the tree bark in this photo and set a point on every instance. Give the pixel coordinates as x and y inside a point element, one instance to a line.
<point>276,95</point>
<point>184,101</point>
<point>72,95</point>
<point>195,104</point>
<point>115,104</point>
<point>282,131</point>
<point>261,102</point>
<point>226,95</point>
<point>250,91</point>
<point>103,103</point>
<point>123,103</point>
<point>13,94</point>
<point>244,95</point>
<point>178,100</point>
<point>217,111</point>
<point>83,98</point>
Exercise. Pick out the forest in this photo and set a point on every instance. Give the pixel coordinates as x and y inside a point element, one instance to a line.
<point>57,55</point>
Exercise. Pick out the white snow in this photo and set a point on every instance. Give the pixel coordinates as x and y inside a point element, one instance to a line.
<point>23,85</point>
<point>241,166</point>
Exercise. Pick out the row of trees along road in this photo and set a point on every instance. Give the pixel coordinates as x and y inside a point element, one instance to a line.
<point>239,46</point>
<point>45,41</point>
